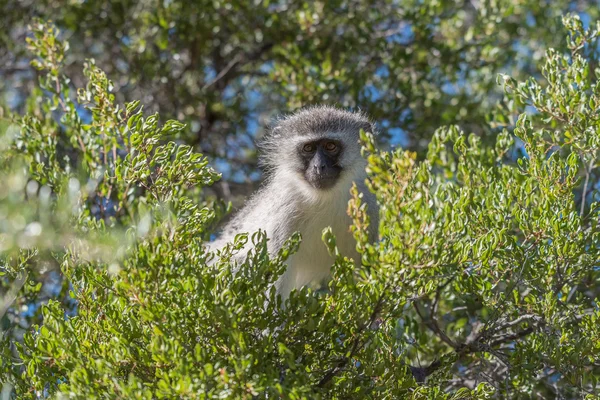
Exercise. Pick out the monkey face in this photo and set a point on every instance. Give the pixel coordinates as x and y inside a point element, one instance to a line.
<point>320,160</point>
<point>316,149</point>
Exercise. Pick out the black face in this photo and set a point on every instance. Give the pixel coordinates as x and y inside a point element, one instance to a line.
<point>320,158</point>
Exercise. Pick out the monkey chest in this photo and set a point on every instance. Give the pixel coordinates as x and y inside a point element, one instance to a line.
<point>312,263</point>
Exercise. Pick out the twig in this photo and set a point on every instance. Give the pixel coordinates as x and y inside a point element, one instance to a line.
<point>433,325</point>
<point>224,71</point>
<point>588,171</point>
<point>11,295</point>
<point>235,61</point>
<point>517,321</point>
<point>508,338</point>
<point>356,344</point>
<point>436,300</point>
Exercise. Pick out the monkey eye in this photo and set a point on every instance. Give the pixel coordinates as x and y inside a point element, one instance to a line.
<point>330,146</point>
<point>308,148</point>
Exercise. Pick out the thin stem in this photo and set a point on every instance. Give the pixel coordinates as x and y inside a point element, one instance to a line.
<point>588,171</point>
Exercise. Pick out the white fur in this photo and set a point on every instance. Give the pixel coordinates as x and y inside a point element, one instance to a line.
<point>312,263</point>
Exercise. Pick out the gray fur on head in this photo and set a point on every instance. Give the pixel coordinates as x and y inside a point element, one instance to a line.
<point>312,123</point>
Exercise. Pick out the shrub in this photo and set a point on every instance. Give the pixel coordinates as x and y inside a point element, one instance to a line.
<point>484,282</point>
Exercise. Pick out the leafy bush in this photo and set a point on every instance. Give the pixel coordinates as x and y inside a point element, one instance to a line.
<point>484,283</point>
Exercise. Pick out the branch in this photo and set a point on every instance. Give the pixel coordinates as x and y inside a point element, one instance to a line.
<point>432,322</point>
<point>234,63</point>
<point>436,301</point>
<point>518,321</point>
<point>481,343</point>
<point>224,71</point>
<point>509,338</point>
<point>356,344</point>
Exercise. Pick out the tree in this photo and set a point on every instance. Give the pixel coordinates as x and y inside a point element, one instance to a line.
<point>484,283</point>
<point>226,67</point>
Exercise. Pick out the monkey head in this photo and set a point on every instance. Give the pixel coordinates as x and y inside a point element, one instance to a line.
<point>318,147</point>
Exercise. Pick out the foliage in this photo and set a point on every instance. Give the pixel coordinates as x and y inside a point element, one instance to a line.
<point>484,283</point>
<point>226,67</point>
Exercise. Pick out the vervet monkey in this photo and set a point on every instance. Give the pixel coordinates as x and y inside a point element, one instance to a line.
<point>311,158</point>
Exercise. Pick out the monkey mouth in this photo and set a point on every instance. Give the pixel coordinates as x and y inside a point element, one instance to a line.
<point>323,182</point>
